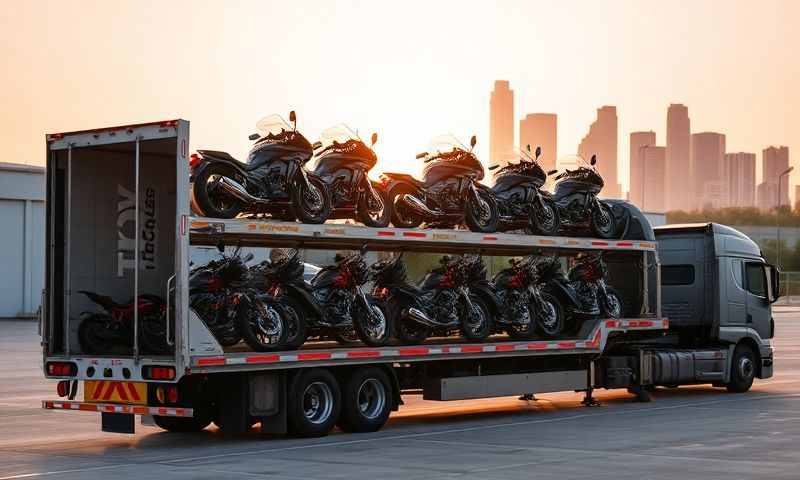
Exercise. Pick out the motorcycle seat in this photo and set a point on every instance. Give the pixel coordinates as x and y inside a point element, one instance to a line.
<point>227,158</point>
<point>404,177</point>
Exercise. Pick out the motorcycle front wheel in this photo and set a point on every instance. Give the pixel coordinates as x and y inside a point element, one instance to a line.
<point>476,323</point>
<point>94,335</point>
<point>612,304</point>
<point>482,216</point>
<point>311,205</point>
<point>373,328</point>
<point>549,319</point>
<point>213,203</point>
<point>374,212</point>
<point>294,314</point>
<point>402,216</point>
<point>262,325</point>
<point>604,225</point>
<point>544,219</point>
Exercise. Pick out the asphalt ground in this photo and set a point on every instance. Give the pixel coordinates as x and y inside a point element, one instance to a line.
<point>691,432</point>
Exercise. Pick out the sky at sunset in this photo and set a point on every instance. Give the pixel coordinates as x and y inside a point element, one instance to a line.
<point>409,70</point>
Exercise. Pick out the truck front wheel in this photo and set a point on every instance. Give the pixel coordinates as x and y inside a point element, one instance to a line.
<point>743,369</point>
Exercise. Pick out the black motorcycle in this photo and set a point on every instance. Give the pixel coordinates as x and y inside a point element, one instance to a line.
<point>112,328</point>
<point>522,202</point>
<point>343,161</point>
<point>578,206</point>
<point>583,292</point>
<point>521,307</point>
<point>442,305</point>
<point>450,193</point>
<point>273,181</point>
<point>220,294</point>
<point>333,305</point>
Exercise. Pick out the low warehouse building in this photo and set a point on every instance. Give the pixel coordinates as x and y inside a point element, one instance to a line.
<point>22,254</point>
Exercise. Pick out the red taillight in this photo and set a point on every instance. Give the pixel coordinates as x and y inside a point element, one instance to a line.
<point>61,369</point>
<point>172,394</point>
<point>152,372</point>
<point>168,123</point>
<point>63,388</point>
<point>194,160</point>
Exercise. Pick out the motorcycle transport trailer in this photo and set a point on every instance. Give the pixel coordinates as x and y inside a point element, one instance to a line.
<point>104,185</point>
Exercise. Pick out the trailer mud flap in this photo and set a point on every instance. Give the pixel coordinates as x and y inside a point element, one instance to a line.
<point>117,423</point>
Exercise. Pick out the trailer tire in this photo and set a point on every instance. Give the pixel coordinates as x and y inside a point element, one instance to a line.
<point>200,421</point>
<point>366,401</point>
<point>743,369</point>
<point>314,403</point>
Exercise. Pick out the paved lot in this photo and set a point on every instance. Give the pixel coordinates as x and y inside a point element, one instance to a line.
<point>697,432</point>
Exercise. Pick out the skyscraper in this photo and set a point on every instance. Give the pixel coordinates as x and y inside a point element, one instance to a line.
<point>740,178</point>
<point>501,122</point>
<point>638,141</point>
<point>541,129</point>
<point>678,161</point>
<point>774,161</point>
<point>653,160</point>
<point>708,153</point>
<point>602,141</point>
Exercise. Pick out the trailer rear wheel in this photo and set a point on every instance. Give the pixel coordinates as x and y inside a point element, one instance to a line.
<point>314,403</point>
<point>366,401</point>
<point>743,369</point>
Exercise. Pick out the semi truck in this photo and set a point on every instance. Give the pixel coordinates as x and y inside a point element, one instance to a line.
<point>697,307</point>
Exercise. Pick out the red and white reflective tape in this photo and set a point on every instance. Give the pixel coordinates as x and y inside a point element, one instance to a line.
<point>248,226</point>
<point>593,343</point>
<point>111,408</point>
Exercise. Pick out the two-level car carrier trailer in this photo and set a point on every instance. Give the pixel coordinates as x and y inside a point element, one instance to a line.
<point>119,222</point>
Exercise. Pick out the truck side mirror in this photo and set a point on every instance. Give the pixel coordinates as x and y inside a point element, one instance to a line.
<point>773,281</point>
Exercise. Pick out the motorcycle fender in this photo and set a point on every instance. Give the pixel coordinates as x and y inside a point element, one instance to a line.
<point>488,296</point>
<point>304,297</point>
<point>563,292</point>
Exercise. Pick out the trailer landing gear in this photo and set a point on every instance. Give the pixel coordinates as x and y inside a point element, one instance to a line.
<point>528,397</point>
<point>589,400</point>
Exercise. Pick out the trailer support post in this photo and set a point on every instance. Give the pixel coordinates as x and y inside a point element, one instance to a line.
<point>588,399</point>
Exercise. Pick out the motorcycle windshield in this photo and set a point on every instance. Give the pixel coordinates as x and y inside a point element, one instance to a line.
<point>341,140</point>
<point>583,173</point>
<point>526,165</point>
<point>446,151</point>
<point>272,126</point>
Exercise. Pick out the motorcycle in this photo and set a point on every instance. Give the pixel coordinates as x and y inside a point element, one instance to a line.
<point>100,332</point>
<point>450,193</point>
<point>221,296</point>
<point>273,181</point>
<point>521,201</point>
<point>583,292</point>
<point>515,296</point>
<point>333,304</point>
<point>441,306</point>
<point>578,206</point>
<point>343,161</point>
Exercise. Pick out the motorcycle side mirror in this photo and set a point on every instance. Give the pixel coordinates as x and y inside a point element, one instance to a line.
<point>316,145</point>
<point>254,136</point>
<point>593,161</point>
<point>552,172</point>
<point>538,152</point>
<point>528,148</point>
<point>221,246</point>
<point>493,167</point>
<point>421,155</point>
<point>374,138</point>
<point>472,142</point>
<point>293,119</point>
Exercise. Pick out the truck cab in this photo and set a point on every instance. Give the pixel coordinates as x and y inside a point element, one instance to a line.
<point>717,289</point>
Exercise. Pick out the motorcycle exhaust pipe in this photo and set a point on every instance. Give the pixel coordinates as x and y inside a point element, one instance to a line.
<point>419,206</point>
<point>237,191</point>
<point>420,317</point>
